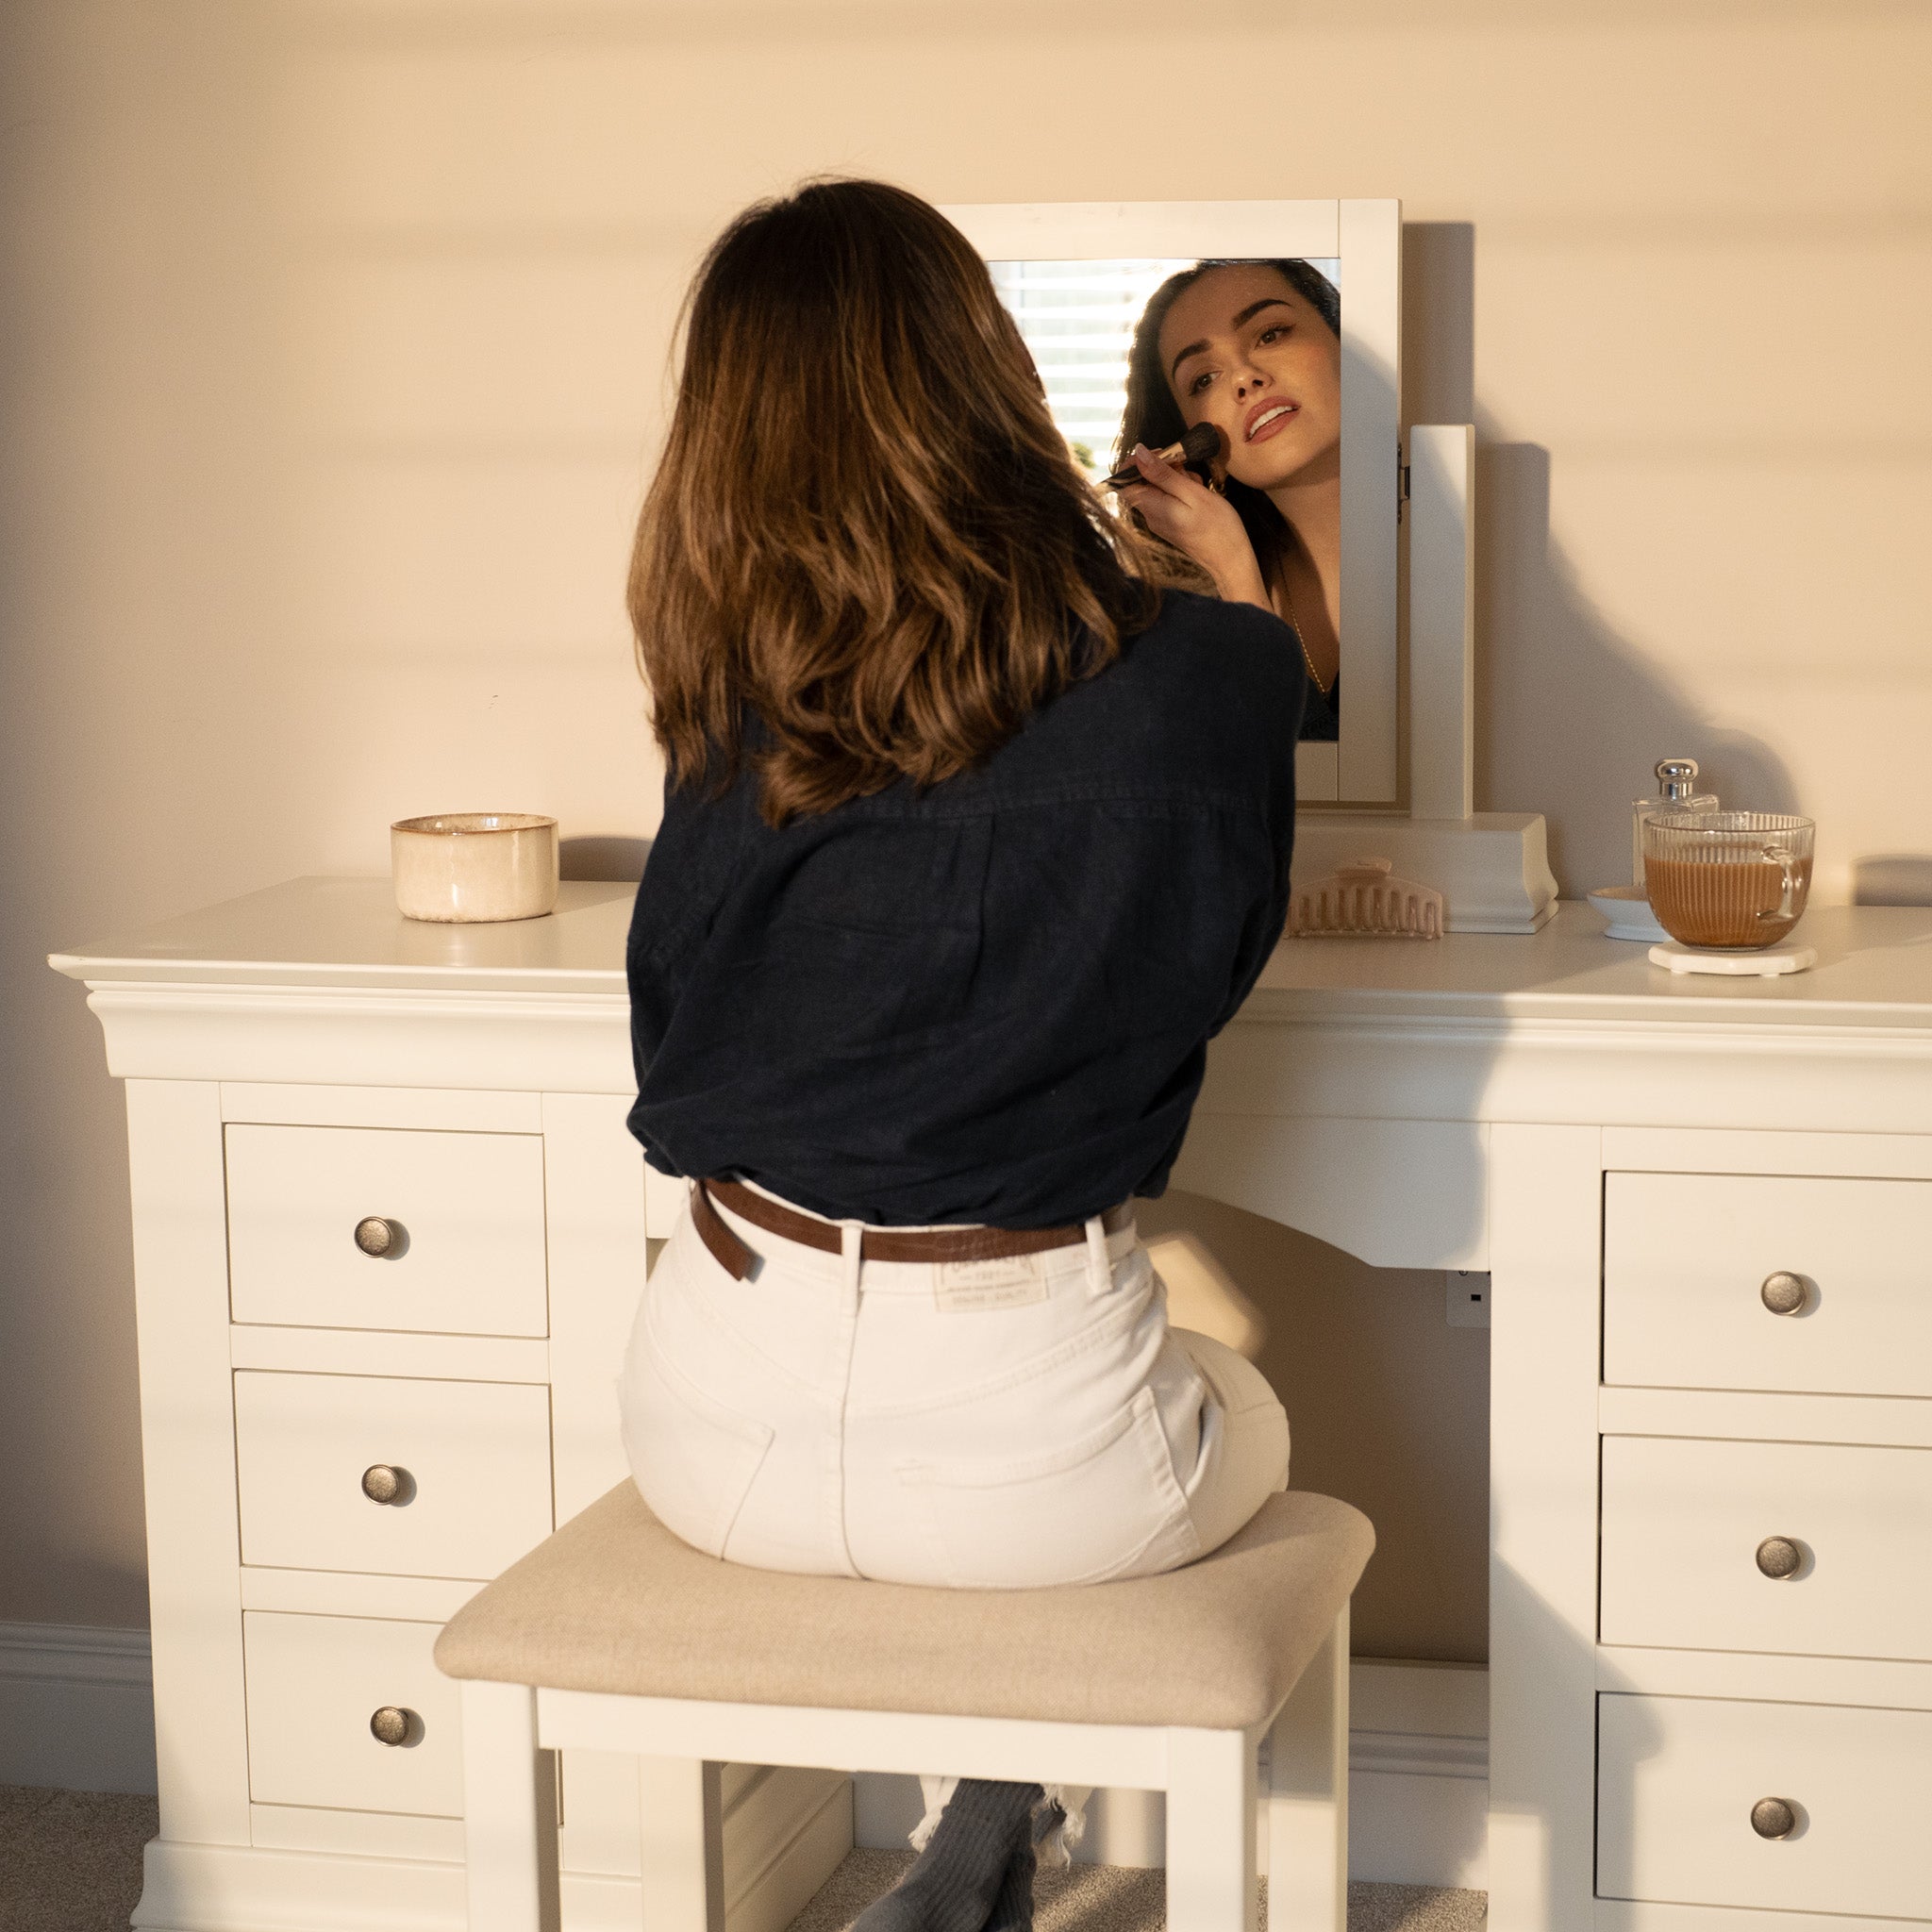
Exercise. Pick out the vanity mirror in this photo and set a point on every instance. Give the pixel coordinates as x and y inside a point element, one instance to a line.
<point>1152,316</point>
<point>1145,318</point>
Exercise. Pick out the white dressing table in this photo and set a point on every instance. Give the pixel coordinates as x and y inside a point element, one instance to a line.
<point>1645,1166</point>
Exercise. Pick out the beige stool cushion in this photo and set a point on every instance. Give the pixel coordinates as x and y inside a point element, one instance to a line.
<point>613,1602</point>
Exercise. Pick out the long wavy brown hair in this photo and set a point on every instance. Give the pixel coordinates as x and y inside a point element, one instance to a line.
<point>867,553</point>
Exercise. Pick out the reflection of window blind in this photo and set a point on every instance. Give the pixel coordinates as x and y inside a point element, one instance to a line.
<point>1078,317</point>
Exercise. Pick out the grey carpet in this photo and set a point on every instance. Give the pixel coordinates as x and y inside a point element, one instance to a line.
<point>70,1861</point>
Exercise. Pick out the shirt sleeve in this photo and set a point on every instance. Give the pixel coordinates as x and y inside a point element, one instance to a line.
<point>1287,695</point>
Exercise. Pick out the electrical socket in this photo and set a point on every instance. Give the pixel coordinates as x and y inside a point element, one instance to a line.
<point>1468,1294</point>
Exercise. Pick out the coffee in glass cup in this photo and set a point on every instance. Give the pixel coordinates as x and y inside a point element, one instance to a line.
<point>1728,880</point>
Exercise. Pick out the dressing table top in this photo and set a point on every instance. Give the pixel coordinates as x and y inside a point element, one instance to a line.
<point>1875,966</point>
<point>333,932</point>
<point>1875,962</point>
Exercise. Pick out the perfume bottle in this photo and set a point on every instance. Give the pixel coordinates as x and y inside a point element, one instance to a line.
<point>1676,791</point>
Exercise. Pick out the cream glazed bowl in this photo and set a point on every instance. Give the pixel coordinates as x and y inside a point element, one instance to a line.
<point>470,867</point>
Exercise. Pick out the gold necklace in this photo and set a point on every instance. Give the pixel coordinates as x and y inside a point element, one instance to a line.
<point>1295,624</point>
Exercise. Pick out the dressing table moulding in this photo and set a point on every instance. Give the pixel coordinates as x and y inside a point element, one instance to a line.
<point>1705,1208</point>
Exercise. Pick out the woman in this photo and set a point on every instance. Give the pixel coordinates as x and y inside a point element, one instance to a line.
<point>971,839</point>
<point>1254,347</point>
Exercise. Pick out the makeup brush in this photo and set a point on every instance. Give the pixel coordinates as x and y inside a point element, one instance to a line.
<point>1198,449</point>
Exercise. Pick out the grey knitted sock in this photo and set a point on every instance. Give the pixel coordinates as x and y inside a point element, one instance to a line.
<point>954,1883</point>
<point>1012,1908</point>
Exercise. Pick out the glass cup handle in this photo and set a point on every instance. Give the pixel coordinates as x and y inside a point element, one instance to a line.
<point>1782,857</point>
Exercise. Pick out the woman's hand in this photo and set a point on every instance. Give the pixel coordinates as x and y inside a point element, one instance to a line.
<point>1180,509</point>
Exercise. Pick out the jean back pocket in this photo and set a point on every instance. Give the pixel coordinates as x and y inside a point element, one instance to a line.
<point>1102,1506</point>
<point>693,1458</point>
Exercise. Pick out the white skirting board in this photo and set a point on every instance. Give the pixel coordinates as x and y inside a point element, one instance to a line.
<point>1418,1784</point>
<point>76,1713</point>
<point>77,1708</point>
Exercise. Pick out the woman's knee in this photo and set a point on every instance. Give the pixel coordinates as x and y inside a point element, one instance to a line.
<point>1244,1449</point>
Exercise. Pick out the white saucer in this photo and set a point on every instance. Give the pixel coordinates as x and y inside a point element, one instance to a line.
<point>1628,912</point>
<point>1772,963</point>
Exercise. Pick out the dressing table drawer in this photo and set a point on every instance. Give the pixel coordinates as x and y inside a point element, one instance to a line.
<point>1808,1283</point>
<point>315,1687</point>
<point>1803,1547</point>
<point>376,1473</point>
<point>374,1227</point>
<point>1679,1779</point>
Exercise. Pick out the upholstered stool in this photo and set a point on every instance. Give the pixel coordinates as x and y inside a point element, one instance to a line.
<point>614,1636</point>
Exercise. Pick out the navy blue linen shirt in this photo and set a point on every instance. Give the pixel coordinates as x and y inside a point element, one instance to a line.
<point>990,1001</point>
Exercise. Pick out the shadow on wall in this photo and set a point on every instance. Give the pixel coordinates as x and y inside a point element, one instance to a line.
<point>601,857</point>
<point>1892,879</point>
<point>1572,719</point>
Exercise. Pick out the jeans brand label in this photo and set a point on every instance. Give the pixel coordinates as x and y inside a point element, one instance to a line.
<point>969,1288</point>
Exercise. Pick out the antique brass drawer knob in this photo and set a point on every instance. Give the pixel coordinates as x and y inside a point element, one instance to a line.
<point>392,1725</point>
<point>1774,1818</point>
<point>382,1482</point>
<point>1777,1556</point>
<point>1785,1293</point>
<point>380,1238</point>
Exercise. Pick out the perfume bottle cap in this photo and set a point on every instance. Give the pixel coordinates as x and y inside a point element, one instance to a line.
<point>1677,777</point>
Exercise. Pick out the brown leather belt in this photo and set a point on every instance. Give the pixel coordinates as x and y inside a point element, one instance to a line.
<point>875,1245</point>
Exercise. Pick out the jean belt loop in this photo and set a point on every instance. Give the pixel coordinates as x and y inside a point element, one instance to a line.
<point>1099,1269</point>
<point>851,1251</point>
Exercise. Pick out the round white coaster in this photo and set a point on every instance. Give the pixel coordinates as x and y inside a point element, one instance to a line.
<point>1772,963</point>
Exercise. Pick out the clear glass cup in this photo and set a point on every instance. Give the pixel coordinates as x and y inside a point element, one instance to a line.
<point>1728,880</point>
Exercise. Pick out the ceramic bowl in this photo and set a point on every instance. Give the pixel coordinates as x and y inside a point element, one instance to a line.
<point>470,867</point>
<point>1628,912</point>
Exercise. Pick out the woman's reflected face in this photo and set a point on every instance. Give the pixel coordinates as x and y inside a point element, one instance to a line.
<point>1244,350</point>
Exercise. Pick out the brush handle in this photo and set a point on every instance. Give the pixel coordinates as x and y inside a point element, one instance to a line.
<point>1197,449</point>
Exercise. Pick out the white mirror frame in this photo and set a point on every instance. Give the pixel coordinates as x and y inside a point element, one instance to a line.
<point>1362,767</point>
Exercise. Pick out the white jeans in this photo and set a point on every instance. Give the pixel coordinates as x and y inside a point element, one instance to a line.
<point>986,1425</point>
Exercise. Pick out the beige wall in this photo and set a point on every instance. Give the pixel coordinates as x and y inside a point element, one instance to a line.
<point>336,347</point>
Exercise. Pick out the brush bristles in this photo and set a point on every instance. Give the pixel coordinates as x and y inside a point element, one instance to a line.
<point>1388,909</point>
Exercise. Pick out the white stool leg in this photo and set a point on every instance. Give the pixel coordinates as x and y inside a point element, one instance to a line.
<point>682,1825</point>
<point>1210,1831</point>
<point>510,1834</point>
<point>1307,1796</point>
